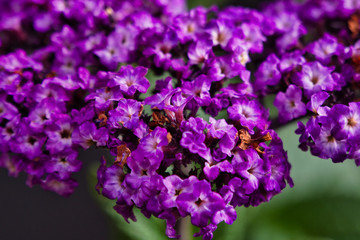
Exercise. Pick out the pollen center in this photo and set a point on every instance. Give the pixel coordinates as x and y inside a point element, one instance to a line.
<point>221,37</point>
<point>351,122</point>
<point>315,80</point>
<point>65,134</point>
<point>330,139</point>
<point>199,202</point>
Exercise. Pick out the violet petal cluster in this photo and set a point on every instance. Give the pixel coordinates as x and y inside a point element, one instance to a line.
<point>316,75</point>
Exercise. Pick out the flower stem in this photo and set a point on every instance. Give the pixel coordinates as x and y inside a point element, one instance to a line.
<point>184,228</point>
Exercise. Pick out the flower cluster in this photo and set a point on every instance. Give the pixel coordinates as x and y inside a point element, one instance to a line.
<point>37,133</point>
<point>173,164</point>
<point>197,142</point>
<point>308,70</point>
<point>43,86</point>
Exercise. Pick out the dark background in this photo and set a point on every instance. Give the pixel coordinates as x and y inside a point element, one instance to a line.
<point>32,213</point>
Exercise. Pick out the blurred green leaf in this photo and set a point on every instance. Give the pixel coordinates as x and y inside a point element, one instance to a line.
<point>208,3</point>
<point>318,217</point>
<point>152,77</point>
<point>269,104</point>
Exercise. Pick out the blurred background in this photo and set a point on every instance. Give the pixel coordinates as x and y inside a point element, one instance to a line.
<point>323,205</point>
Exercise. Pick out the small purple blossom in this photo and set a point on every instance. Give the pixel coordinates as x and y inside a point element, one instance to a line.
<point>315,77</point>
<point>249,113</point>
<point>201,203</point>
<point>126,114</point>
<point>130,80</point>
<point>290,104</point>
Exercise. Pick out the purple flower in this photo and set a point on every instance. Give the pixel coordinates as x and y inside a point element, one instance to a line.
<point>199,51</point>
<point>87,135</point>
<point>27,141</point>
<point>314,77</point>
<point>199,89</point>
<point>220,32</point>
<point>161,48</point>
<point>42,114</point>
<point>114,186</point>
<point>325,48</point>
<point>130,79</point>
<point>249,165</point>
<point>201,203</point>
<point>329,144</point>
<point>316,101</point>
<point>249,113</point>
<point>126,114</point>
<point>165,83</point>
<point>355,154</point>
<point>240,55</point>
<point>253,38</point>
<point>348,120</point>
<point>85,114</point>
<point>226,133</point>
<point>119,44</point>
<point>228,215</point>
<point>195,143</point>
<point>290,60</point>
<point>152,144</point>
<point>59,133</point>
<point>233,193</point>
<point>212,169</point>
<point>278,169</point>
<point>268,73</point>
<point>125,210</point>
<point>50,90</point>
<point>62,187</point>
<point>14,164</point>
<point>162,99</point>
<point>289,104</point>
<point>174,186</point>
<point>65,40</point>
<point>8,132</point>
<point>223,67</point>
<point>142,168</point>
<point>218,128</point>
<point>7,110</point>
<point>206,232</point>
<point>63,164</point>
<point>188,24</point>
<point>104,98</point>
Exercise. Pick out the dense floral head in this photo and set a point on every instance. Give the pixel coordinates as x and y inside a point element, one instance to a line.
<point>198,141</point>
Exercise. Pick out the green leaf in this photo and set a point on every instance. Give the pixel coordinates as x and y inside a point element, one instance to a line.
<point>319,217</point>
<point>234,231</point>
<point>269,104</point>
<point>208,3</point>
<point>152,77</point>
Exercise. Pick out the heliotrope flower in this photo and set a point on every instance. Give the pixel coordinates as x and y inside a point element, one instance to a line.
<point>315,77</point>
<point>290,104</point>
<point>130,80</point>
